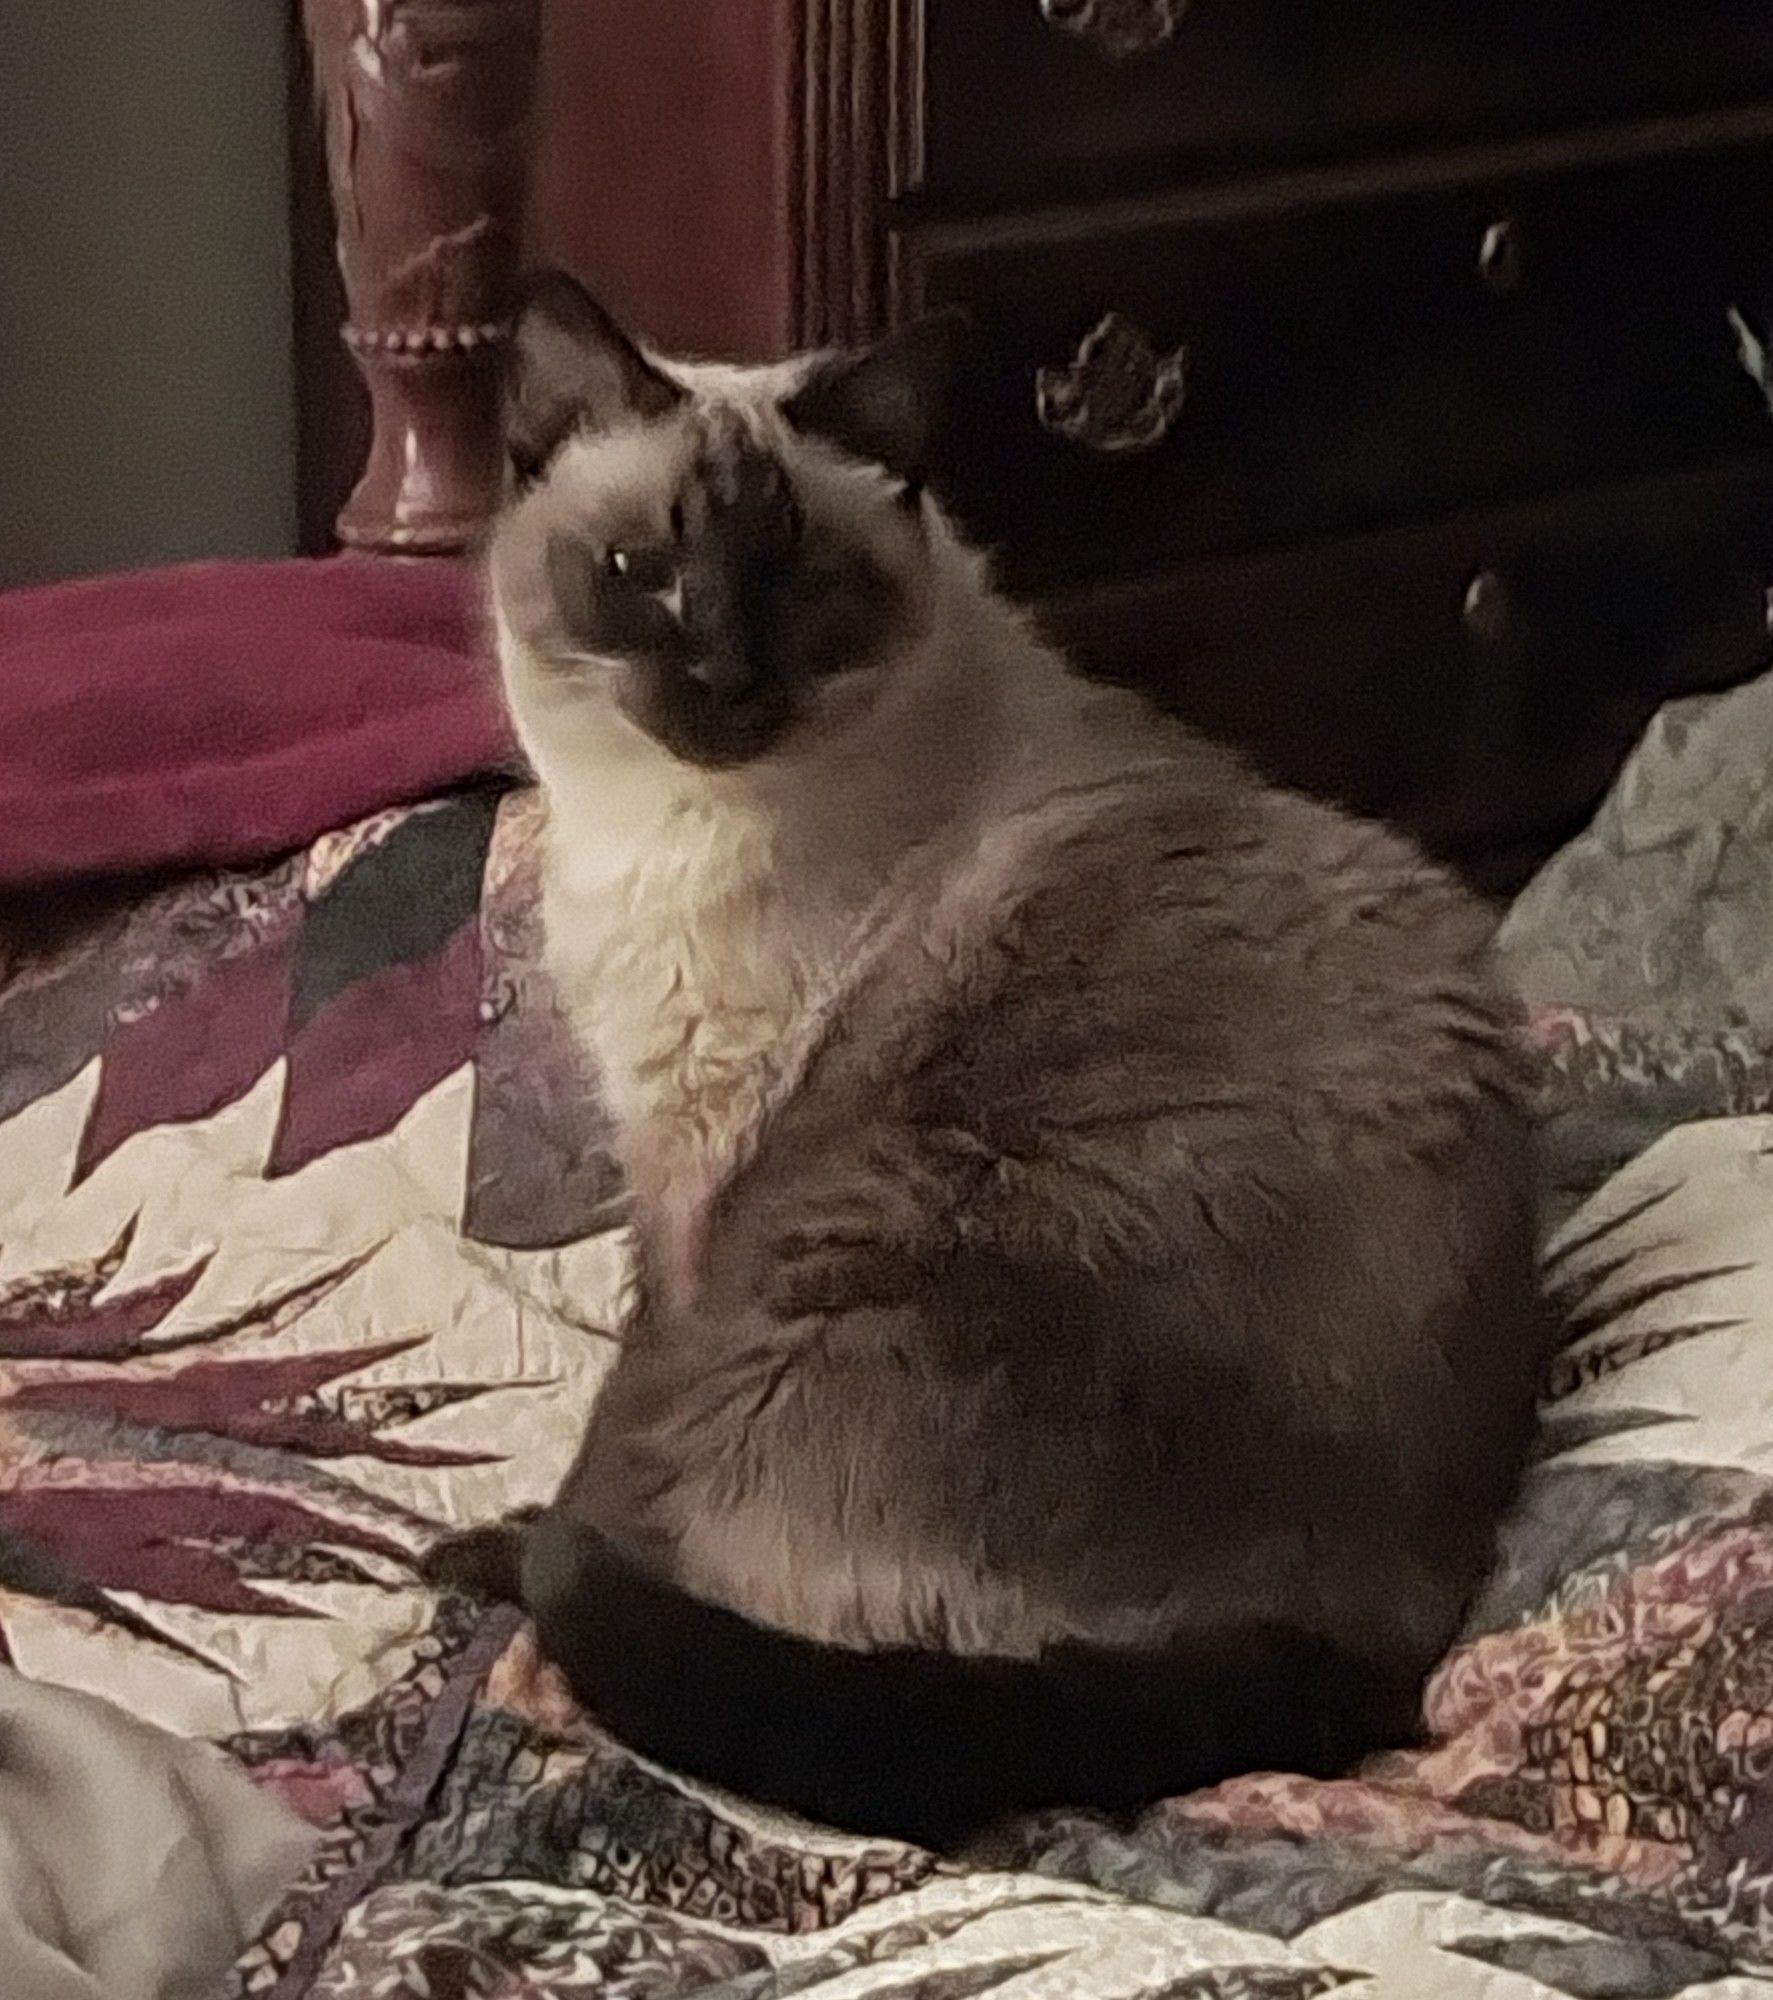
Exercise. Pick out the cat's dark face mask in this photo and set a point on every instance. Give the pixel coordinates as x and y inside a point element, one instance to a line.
<point>723,602</point>
<point>725,618</point>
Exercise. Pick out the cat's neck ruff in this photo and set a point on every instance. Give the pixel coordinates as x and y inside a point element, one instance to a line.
<point>699,923</point>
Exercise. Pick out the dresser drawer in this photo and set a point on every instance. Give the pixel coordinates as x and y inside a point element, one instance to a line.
<point>1476,679</point>
<point>1274,373</point>
<point>1032,98</point>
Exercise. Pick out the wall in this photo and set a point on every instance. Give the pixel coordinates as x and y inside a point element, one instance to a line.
<point>146,395</point>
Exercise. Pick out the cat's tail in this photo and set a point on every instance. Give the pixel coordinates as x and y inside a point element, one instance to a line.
<point>925,1746</point>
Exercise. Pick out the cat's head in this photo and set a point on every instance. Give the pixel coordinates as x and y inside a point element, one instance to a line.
<point>729,561</point>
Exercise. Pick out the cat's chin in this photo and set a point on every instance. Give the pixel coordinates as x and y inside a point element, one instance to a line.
<point>730,746</point>
<point>765,735</point>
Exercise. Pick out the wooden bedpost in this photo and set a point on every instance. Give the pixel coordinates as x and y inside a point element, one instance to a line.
<point>426,111</point>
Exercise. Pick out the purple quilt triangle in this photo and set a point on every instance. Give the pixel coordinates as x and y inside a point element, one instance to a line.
<point>359,1064</point>
<point>194,1053</point>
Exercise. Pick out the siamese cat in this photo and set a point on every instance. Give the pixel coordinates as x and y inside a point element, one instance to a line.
<point>1086,1320</point>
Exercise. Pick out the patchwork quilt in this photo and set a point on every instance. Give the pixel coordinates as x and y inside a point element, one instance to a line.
<point>311,1248</point>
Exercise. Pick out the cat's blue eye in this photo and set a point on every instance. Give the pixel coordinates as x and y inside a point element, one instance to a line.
<point>651,570</point>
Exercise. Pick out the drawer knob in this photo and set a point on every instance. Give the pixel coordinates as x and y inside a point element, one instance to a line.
<point>1116,28</point>
<point>1501,258</point>
<point>1485,609</point>
<point>1753,353</point>
<point>1117,394</point>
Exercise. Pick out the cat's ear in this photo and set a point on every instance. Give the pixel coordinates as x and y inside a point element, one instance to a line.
<point>571,368</point>
<point>886,404</point>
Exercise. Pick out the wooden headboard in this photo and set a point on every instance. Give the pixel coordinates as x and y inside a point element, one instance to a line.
<point>436,144</point>
<point>411,147</point>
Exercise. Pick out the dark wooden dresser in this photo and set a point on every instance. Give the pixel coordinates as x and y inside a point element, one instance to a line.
<point>1366,377</point>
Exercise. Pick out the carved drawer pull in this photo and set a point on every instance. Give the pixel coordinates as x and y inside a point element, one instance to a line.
<point>1486,608</point>
<point>1116,27</point>
<point>1754,354</point>
<point>1502,256</point>
<point>1118,394</point>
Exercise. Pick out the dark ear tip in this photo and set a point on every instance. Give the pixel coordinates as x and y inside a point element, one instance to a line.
<point>543,284</point>
<point>551,295</point>
<point>539,279</point>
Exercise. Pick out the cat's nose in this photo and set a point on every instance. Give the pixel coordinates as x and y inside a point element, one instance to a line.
<point>727,675</point>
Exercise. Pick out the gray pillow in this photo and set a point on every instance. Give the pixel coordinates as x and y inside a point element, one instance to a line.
<point>1661,913</point>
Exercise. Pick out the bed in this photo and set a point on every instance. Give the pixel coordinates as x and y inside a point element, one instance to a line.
<point>311,1249</point>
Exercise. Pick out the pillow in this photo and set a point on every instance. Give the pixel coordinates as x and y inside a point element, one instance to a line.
<point>228,712</point>
<point>1661,913</point>
<point>1644,948</point>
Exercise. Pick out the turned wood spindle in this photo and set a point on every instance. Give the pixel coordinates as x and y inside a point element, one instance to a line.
<point>426,108</point>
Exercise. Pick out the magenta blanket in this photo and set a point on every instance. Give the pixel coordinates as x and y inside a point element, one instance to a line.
<point>228,712</point>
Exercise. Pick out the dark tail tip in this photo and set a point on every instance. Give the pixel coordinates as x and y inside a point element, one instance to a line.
<point>486,1563</point>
